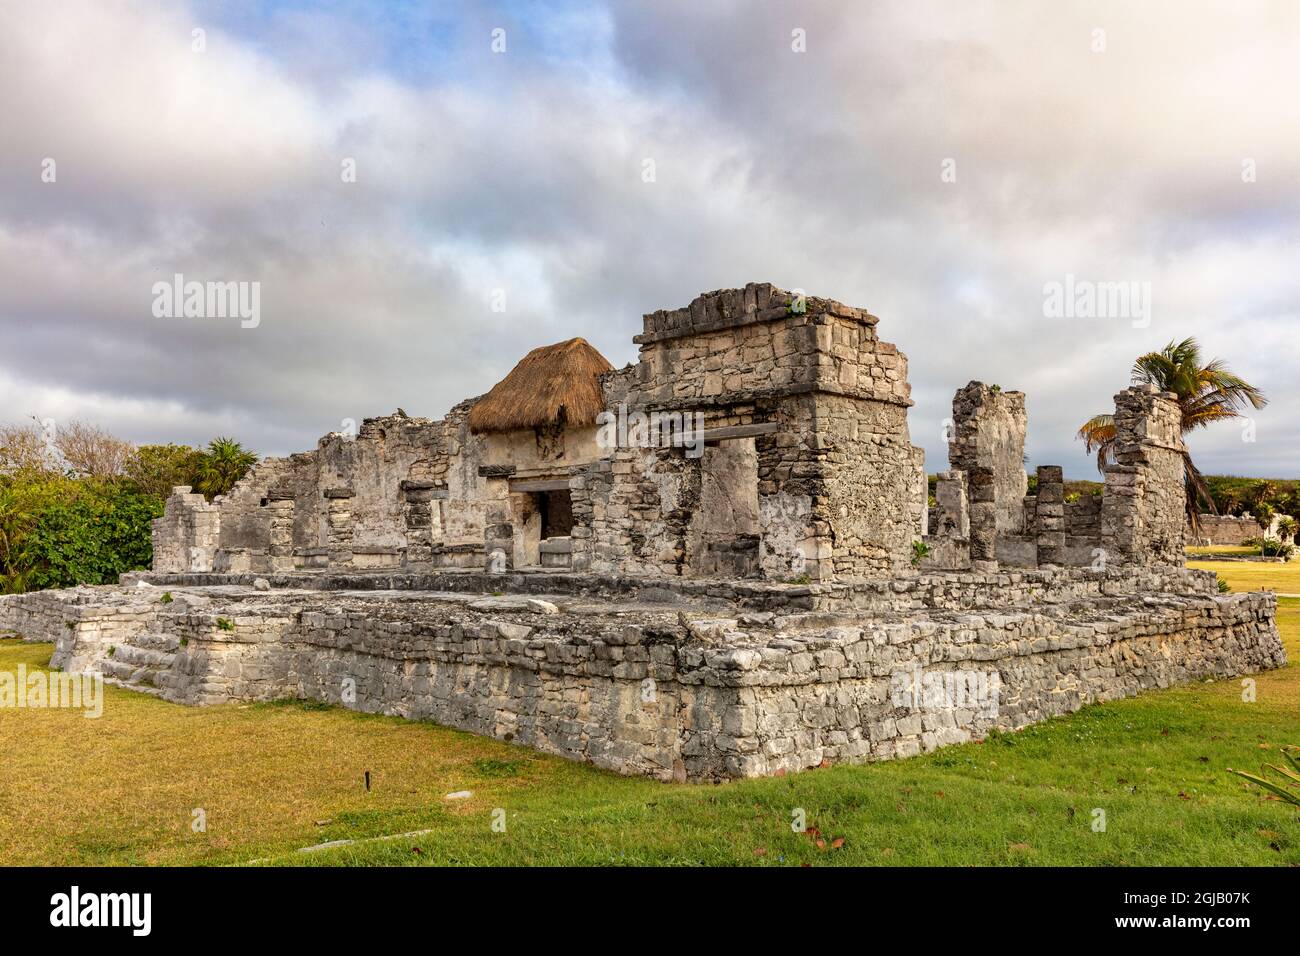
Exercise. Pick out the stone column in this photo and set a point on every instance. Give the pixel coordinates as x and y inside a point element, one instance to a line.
<point>499,537</point>
<point>1143,510</point>
<point>983,519</point>
<point>796,536</point>
<point>338,526</point>
<point>417,511</point>
<point>951,517</point>
<point>988,431</point>
<point>1049,515</point>
<point>280,549</point>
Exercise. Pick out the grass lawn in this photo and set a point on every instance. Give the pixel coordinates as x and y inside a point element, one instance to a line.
<point>1222,549</point>
<point>1255,575</point>
<point>275,778</point>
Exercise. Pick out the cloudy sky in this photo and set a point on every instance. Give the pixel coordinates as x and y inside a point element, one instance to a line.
<point>936,163</point>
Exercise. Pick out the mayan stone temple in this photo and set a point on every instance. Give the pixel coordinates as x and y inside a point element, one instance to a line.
<point>719,562</point>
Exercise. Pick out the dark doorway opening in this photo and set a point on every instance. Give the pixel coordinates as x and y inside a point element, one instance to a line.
<point>556,508</point>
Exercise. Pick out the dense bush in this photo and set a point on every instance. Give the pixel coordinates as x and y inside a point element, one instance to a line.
<point>59,532</point>
<point>92,538</point>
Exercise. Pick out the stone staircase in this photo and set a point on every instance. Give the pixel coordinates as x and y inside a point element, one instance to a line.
<point>140,662</point>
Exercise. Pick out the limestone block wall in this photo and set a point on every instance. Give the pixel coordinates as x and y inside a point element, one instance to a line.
<point>988,432</point>
<point>712,698</point>
<point>402,491</point>
<point>187,535</point>
<point>372,465</point>
<point>1226,529</point>
<point>1143,517</point>
<point>949,526</point>
<point>464,512</point>
<point>245,526</point>
<point>1083,517</point>
<point>636,511</point>
<point>737,344</point>
<point>837,480</point>
<point>869,495</point>
<point>894,690</point>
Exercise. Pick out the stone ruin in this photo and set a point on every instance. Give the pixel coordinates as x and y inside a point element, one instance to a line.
<point>983,518</point>
<point>718,562</point>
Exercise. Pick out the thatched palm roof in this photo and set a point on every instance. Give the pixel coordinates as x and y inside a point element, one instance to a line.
<point>554,383</point>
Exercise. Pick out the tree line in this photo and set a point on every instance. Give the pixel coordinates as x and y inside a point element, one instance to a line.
<point>76,502</point>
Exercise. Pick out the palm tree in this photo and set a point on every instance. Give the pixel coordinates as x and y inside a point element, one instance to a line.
<point>222,465</point>
<point>1207,393</point>
<point>1286,526</point>
<point>1262,512</point>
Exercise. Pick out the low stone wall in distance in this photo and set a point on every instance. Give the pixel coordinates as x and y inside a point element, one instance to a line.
<point>1225,530</point>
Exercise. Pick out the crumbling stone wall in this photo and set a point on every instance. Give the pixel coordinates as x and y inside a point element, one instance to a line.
<point>401,492</point>
<point>371,467</point>
<point>803,381</point>
<point>1226,530</point>
<point>948,539</point>
<point>831,476</point>
<point>988,433</point>
<point>186,537</point>
<point>1135,522</point>
<point>869,503</point>
<point>244,525</point>
<point>1144,515</point>
<point>1083,517</point>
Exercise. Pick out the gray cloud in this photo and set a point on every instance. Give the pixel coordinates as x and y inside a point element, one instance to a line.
<point>522,172</point>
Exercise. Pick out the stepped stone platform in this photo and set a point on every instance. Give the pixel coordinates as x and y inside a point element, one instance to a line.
<point>676,679</point>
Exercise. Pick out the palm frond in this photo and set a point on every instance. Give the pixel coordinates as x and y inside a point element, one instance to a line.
<point>1098,433</point>
<point>1197,493</point>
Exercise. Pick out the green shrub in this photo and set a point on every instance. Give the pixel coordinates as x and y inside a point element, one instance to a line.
<point>1270,547</point>
<point>59,532</point>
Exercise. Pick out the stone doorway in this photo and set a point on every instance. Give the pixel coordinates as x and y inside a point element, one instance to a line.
<point>543,522</point>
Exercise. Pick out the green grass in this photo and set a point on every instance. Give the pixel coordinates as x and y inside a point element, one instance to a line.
<point>1255,575</point>
<point>1210,549</point>
<point>273,778</point>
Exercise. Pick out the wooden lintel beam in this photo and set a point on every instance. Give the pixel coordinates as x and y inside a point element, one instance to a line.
<point>538,484</point>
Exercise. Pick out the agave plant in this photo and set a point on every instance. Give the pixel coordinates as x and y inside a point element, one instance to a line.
<point>1289,788</point>
<point>1207,392</point>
